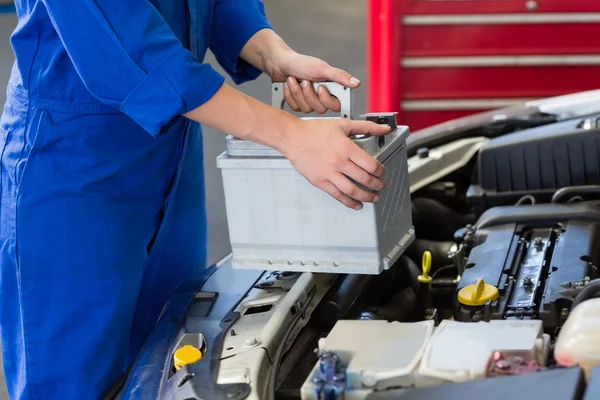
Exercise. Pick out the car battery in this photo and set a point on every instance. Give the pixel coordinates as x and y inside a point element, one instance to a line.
<point>279,221</point>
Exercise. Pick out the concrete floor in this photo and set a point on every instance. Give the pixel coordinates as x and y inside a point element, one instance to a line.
<point>333,30</point>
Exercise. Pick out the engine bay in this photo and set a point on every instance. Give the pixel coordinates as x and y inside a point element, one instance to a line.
<point>496,295</point>
<point>504,248</point>
<point>538,257</point>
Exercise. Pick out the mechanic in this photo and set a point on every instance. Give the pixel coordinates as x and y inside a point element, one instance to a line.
<point>102,193</point>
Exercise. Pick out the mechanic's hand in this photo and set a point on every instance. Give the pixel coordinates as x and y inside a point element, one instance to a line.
<point>299,72</point>
<point>321,151</point>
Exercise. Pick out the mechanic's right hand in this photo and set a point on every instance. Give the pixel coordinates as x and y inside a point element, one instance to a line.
<point>321,151</point>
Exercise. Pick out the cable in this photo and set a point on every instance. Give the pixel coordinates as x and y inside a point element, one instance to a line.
<point>445,268</point>
<point>590,291</point>
<point>590,191</point>
<point>525,198</point>
<point>272,380</point>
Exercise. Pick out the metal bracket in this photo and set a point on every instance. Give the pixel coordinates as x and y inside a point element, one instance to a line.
<point>342,93</point>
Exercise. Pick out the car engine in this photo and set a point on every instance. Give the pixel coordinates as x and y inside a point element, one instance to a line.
<point>505,247</point>
<point>537,257</point>
<point>496,295</point>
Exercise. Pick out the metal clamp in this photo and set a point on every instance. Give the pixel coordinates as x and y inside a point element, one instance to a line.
<point>342,93</point>
<point>373,144</point>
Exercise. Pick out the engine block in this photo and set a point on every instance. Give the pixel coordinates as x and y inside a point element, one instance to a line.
<point>538,258</point>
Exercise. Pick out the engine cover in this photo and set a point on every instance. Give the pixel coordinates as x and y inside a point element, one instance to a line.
<point>535,162</point>
<point>538,257</point>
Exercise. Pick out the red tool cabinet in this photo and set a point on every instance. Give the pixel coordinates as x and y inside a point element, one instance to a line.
<point>435,60</point>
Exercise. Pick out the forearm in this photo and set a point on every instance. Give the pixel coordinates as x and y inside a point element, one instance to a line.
<point>264,49</point>
<point>235,113</point>
<point>319,149</point>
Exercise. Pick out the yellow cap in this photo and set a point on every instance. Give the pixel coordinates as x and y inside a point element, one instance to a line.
<point>477,294</point>
<point>186,355</point>
<point>426,266</point>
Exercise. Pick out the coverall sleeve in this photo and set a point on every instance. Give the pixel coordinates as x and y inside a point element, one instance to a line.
<point>128,57</point>
<point>234,23</point>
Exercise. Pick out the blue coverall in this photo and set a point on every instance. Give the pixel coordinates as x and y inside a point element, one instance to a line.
<point>102,189</point>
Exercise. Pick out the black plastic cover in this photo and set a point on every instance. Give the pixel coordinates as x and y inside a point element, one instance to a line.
<point>535,162</point>
<point>538,266</point>
<point>560,384</point>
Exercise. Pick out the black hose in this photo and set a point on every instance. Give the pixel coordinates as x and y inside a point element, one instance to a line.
<point>444,269</point>
<point>435,221</point>
<point>399,308</point>
<point>413,270</point>
<point>272,379</point>
<point>342,298</point>
<point>590,291</point>
<point>439,251</point>
<point>566,193</point>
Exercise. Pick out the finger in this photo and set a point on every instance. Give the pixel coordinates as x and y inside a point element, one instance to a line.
<point>352,190</point>
<point>364,127</point>
<point>340,76</point>
<point>337,194</point>
<point>311,97</point>
<point>363,177</point>
<point>298,95</point>
<point>367,162</point>
<point>289,99</point>
<point>328,100</point>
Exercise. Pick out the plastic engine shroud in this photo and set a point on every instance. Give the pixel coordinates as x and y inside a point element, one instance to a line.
<point>539,258</point>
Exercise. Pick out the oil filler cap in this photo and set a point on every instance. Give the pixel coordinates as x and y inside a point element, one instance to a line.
<point>477,294</point>
<point>186,355</point>
<point>425,267</point>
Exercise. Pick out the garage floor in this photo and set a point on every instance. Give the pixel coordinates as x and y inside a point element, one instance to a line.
<point>333,30</point>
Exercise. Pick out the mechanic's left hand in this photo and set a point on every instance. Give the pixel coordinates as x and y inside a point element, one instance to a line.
<point>299,72</point>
